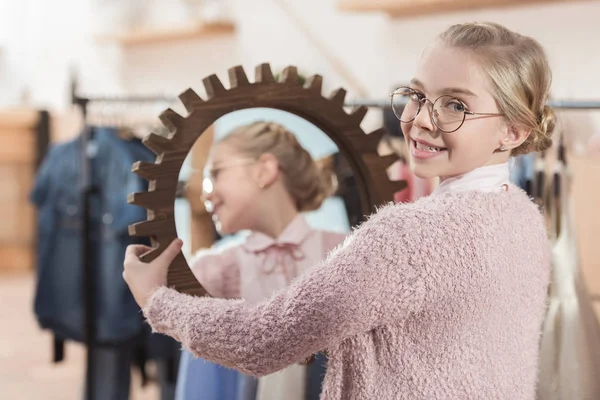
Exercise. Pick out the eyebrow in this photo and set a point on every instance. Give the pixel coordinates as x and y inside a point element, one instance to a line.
<point>451,90</point>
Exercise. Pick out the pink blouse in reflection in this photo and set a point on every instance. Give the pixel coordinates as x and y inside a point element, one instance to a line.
<point>261,265</point>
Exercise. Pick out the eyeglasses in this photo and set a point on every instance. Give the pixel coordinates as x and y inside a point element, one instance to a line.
<point>212,174</point>
<point>447,113</point>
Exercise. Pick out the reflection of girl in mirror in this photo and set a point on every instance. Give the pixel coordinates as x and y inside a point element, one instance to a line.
<point>442,298</point>
<point>260,179</point>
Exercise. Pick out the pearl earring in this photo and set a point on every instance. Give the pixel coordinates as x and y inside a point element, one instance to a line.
<point>502,148</point>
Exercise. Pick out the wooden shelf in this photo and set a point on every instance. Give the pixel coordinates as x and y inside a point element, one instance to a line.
<point>414,8</point>
<point>153,36</point>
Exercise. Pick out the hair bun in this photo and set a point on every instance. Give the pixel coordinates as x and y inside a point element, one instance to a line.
<point>547,122</point>
<point>540,138</point>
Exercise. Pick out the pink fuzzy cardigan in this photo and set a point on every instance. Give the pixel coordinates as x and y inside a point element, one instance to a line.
<point>439,299</point>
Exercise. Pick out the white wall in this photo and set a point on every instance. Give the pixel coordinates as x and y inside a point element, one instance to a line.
<point>43,39</point>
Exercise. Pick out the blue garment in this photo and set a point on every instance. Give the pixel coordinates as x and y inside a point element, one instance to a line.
<point>59,302</point>
<point>522,170</point>
<point>247,387</point>
<point>315,373</point>
<point>199,379</point>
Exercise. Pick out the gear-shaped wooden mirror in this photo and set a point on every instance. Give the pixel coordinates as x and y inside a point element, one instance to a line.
<point>286,94</point>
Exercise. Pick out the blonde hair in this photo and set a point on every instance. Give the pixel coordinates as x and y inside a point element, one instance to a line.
<point>307,183</point>
<point>519,74</point>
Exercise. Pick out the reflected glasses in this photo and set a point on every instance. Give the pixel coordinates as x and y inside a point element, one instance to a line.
<point>447,113</point>
<point>210,175</point>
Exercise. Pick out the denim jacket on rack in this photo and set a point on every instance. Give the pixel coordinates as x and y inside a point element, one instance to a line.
<point>59,301</point>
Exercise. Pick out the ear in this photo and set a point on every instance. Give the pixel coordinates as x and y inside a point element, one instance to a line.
<point>514,137</point>
<point>267,170</point>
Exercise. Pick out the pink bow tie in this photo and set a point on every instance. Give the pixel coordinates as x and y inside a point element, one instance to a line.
<point>283,257</point>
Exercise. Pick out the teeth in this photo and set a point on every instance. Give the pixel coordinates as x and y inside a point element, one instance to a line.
<point>427,148</point>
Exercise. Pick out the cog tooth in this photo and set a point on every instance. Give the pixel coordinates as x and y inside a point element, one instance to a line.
<point>314,84</point>
<point>290,75</point>
<point>386,192</point>
<point>154,171</point>
<point>151,255</point>
<point>159,184</point>
<point>237,77</point>
<point>398,186</point>
<point>358,114</point>
<point>338,97</point>
<point>375,137</point>
<point>190,100</point>
<point>158,144</point>
<point>146,170</point>
<point>148,228</point>
<point>171,120</point>
<point>153,200</point>
<point>263,73</point>
<point>213,86</point>
<point>394,187</point>
<point>389,160</point>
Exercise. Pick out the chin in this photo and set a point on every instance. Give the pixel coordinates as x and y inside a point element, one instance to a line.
<point>423,171</point>
<point>222,231</point>
<point>226,227</point>
<point>221,227</point>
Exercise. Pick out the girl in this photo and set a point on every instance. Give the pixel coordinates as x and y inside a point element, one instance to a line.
<point>442,298</point>
<point>260,179</point>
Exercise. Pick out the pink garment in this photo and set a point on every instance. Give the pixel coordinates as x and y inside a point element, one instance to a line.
<point>260,266</point>
<point>442,298</point>
<point>416,188</point>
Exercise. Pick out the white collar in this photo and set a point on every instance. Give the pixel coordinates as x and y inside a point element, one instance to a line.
<point>490,178</point>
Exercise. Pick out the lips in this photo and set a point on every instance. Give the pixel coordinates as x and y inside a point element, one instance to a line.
<point>421,149</point>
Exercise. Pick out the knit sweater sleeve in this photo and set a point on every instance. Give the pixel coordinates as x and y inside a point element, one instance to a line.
<point>372,279</point>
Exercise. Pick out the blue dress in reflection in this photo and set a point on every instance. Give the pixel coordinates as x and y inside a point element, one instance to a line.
<point>199,379</point>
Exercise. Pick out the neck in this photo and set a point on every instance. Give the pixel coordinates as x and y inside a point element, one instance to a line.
<point>489,164</point>
<point>279,217</point>
<point>488,178</point>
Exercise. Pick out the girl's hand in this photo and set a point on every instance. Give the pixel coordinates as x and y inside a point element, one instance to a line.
<point>144,278</point>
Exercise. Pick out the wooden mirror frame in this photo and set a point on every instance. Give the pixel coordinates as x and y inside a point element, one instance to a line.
<point>287,94</point>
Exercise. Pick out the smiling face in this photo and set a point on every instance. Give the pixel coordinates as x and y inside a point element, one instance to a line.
<point>452,71</point>
<point>231,189</point>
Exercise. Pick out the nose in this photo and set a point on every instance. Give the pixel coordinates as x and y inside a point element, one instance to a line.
<point>208,189</point>
<point>207,199</point>
<point>208,186</point>
<point>424,120</point>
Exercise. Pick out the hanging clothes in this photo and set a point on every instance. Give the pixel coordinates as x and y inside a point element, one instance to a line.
<point>59,304</point>
<point>570,342</point>
<point>522,171</point>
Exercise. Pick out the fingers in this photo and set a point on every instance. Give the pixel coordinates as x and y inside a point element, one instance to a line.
<point>170,252</point>
<point>135,251</point>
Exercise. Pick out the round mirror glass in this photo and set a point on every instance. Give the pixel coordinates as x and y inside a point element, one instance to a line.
<point>196,219</point>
